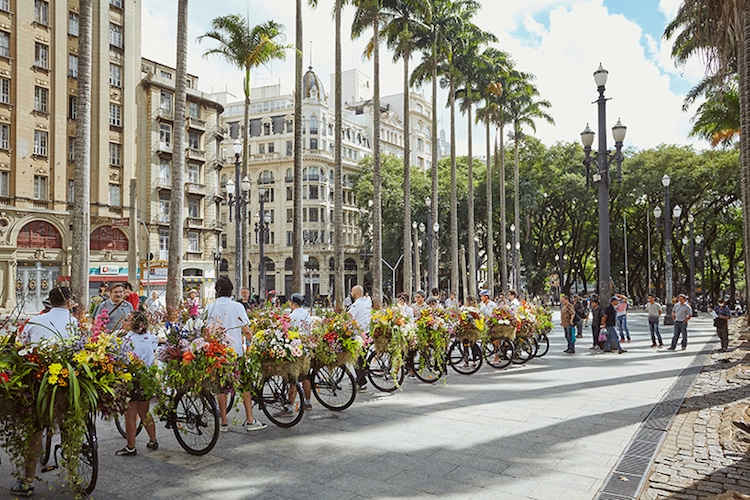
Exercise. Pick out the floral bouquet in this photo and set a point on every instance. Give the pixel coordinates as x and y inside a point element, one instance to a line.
<point>527,318</point>
<point>279,348</point>
<point>338,340</point>
<point>502,323</point>
<point>433,334</point>
<point>197,357</point>
<point>468,323</point>
<point>394,334</point>
<point>543,320</point>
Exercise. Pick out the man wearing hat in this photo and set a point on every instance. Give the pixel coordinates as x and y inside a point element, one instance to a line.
<point>487,305</point>
<point>721,322</point>
<point>681,314</point>
<point>608,322</point>
<point>58,323</point>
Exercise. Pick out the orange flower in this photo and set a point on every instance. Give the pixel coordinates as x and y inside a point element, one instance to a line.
<point>187,357</point>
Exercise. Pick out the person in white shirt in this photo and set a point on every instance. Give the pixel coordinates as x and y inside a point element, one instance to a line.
<point>451,301</point>
<point>361,312</point>
<point>303,321</point>
<point>142,343</point>
<point>513,300</point>
<point>487,305</point>
<point>154,303</point>
<point>233,317</point>
<point>404,307</point>
<point>57,323</point>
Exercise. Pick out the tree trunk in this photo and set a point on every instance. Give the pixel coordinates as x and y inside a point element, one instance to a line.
<point>517,214</point>
<point>81,219</point>
<point>377,214</point>
<point>408,283</point>
<point>490,236</point>
<point>743,60</point>
<point>297,243</point>
<point>241,219</point>
<point>454,195</point>
<point>177,209</point>
<point>470,202</point>
<point>434,154</point>
<point>338,209</point>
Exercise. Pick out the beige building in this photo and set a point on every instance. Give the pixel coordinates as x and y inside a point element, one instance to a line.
<point>156,105</point>
<point>38,85</point>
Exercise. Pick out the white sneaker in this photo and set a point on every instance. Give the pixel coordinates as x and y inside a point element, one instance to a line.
<point>255,425</point>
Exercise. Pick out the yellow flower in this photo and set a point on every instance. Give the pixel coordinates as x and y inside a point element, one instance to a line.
<point>55,369</point>
<point>52,379</point>
<point>64,373</point>
<point>127,376</point>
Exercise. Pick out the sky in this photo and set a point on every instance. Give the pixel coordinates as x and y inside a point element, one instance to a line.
<point>561,42</point>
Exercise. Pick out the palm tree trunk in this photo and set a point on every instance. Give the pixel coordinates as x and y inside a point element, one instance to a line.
<point>176,215</point>
<point>244,243</point>
<point>338,208</point>
<point>470,202</point>
<point>434,154</point>
<point>297,243</point>
<point>517,211</point>
<point>454,195</point>
<point>503,222</point>
<point>79,267</point>
<point>408,283</point>
<point>377,214</point>
<point>743,60</point>
<point>490,236</point>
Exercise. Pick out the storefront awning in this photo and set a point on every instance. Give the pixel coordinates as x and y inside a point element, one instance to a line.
<point>197,279</point>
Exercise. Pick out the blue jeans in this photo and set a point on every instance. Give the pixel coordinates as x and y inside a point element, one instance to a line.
<point>680,327</point>
<point>570,337</point>
<point>612,341</point>
<point>653,327</point>
<point>622,324</point>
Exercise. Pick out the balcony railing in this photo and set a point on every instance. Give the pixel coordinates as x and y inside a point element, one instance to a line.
<point>196,123</point>
<point>196,154</point>
<point>164,114</point>
<point>195,188</point>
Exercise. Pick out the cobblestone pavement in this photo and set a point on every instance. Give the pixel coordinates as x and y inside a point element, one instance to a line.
<point>704,454</point>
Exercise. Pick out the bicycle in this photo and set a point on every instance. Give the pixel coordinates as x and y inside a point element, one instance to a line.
<point>334,386</point>
<point>542,342</point>
<point>272,397</point>
<point>498,353</point>
<point>424,366</point>
<point>525,349</point>
<point>88,455</point>
<point>378,367</point>
<point>465,356</point>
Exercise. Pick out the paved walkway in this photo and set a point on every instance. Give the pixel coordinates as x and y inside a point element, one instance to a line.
<point>554,428</point>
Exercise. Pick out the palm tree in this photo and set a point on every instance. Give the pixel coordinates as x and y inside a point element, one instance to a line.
<point>523,109</point>
<point>400,25</point>
<point>81,217</point>
<point>338,190</point>
<point>366,15</point>
<point>176,214</point>
<point>717,119</point>
<point>246,48</point>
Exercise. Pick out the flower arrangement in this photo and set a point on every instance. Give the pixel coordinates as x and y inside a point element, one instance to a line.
<point>393,333</point>
<point>433,334</point>
<point>527,319</point>
<point>468,323</point>
<point>502,323</point>
<point>338,339</point>
<point>543,320</point>
<point>279,347</point>
<point>198,356</point>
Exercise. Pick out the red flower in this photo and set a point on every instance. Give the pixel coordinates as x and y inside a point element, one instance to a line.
<point>4,377</point>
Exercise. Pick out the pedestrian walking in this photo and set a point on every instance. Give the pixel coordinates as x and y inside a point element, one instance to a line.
<point>622,317</point>
<point>721,322</point>
<point>116,307</point>
<point>567,318</point>
<point>596,323</point>
<point>193,303</point>
<point>361,312</point>
<point>580,313</point>
<point>681,314</point>
<point>608,321</point>
<point>654,311</point>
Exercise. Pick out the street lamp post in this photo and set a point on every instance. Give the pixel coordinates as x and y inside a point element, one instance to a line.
<point>508,247</point>
<point>699,254</point>
<point>261,229</point>
<point>691,219</point>
<point>625,245</point>
<point>415,247</point>
<point>217,259</point>
<point>513,255</point>
<point>230,187</point>
<point>431,245</point>
<point>602,162</point>
<point>667,252</point>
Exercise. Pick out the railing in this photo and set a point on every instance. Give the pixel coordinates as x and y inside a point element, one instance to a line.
<point>194,222</point>
<point>196,154</point>
<point>196,123</point>
<point>164,114</point>
<point>163,183</point>
<point>164,147</point>
<point>195,188</point>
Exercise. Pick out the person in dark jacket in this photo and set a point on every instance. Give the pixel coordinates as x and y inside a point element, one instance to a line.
<point>721,322</point>
<point>596,322</point>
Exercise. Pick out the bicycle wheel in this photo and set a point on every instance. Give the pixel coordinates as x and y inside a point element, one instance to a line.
<point>498,353</point>
<point>88,458</point>
<point>426,368</point>
<point>47,445</point>
<point>121,428</point>
<point>379,372</point>
<point>465,357</point>
<point>277,405</point>
<point>195,422</point>
<point>543,342</point>
<point>334,387</point>
<point>524,351</point>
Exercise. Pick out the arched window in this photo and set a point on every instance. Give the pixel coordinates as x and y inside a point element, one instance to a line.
<point>313,124</point>
<point>313,264</point>
<point>265,177</point>
<point>288,264</point>
<point>270,264</point>
<point>108,238</point>
<point>331,264</point>
<point>289,175</point>
<point>350,265</point>
<point>39,234</point>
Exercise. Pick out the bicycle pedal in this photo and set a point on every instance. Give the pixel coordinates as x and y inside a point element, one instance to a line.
<point>49,468</point>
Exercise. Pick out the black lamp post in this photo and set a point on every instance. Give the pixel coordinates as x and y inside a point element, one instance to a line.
<point>415,247</point>
<point>240,203</point>
<point>432,229</point>
<point>691,219</point>
<point>602,162</point>
<point>261,230</point>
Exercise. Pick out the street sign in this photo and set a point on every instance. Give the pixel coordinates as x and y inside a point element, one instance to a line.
<point>121,222</point>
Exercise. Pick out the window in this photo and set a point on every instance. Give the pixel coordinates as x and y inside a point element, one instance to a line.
<point>289,146</point>
<point>165,74</point>
<point>41,55</point>
<point>115,115</point>
<point>4,183</point>
<point>194,110</point>
<point>4,136</point>
<point>313,192</point>
<point>194,173</point>
<point>164,209</point>
<point>289,238</point>
<point>4,44</point>
<point>271,147</point>
<point>115,75</point>
<point>40,143</point>
<point>420,144</point>
<point>116,3</point>
<point>114,195</point>
<point>4,91</point>
<point>71,148</point>
<point>166,101</point>
<point>163,244</point>
<point>290,215</point>
<point>72,66</point>
<point>5,5</point>
<point>165,172</point>
<point>313,214</point>
<point>72,107</point>
<point>40,187</point>
<point>289,194</point>
<point>194,208</point>
<point>41,12</point>
<point>165,134</point>
<point>73,23</point>
<point>115,35</point>
<point>193,242</point>
<point>290,125</point>
<point>313,124</point>
<point>313,144</point>
<point>115,154</point>
<point>261,149</point>
<point>194,140</point>
<point>266,129</point>
<point>71,190</point>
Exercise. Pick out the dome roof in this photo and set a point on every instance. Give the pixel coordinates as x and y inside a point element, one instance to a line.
<point>312,87</point>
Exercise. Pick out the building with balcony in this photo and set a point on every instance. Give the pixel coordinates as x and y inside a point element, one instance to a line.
<point>38,96</point>
<point>203,162</point>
